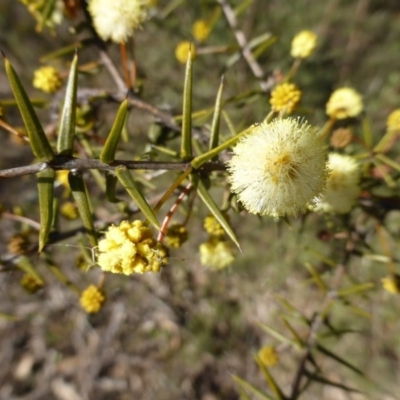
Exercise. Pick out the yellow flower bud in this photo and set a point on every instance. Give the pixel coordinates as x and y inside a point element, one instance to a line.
<point>182,51</point>
<point>393,121</point>
<point>344,103</point>
<point>201,29</point>
<point>69,210</point>
<point>47,79</point>
<point>391,283</point>
<point>303,44</point>
<point>268,356</point>
<point>92,299</point>
<point>285,97</point>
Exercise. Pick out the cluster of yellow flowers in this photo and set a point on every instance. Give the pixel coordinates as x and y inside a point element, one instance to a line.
<point>130,248</point>
<point>217,252</point>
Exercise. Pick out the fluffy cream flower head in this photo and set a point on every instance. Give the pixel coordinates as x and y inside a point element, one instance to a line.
<point>343,185</point>
<point>303,44</point>
<point>279,168</point>
<point>344,103</point>
<point>117,19</point>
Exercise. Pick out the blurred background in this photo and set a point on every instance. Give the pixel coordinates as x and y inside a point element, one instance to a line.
<point>185,333</point>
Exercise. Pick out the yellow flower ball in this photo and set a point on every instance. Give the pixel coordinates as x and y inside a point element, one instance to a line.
<point>213,227</point>
<point>279,168</point>
<point>393,121</point>
<point>216,253</point>
<point>268,356</point>
<point>285,97</point>
<point>344,103</point>
<point>303,44</point>
<point>343,185</point>
<point>92,299</point>
<point>182,51</point>
<point>118,19</point>
<point>47,79</point>
<point>391,283</point>
<point>201,29</point>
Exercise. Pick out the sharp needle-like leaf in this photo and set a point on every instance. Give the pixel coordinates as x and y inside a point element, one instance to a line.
<point>40,145</point>
<point>125,177</point>
<point>45,184</point>
<point>107,155</point>
<point>66,131</point>
<point>79,193</point>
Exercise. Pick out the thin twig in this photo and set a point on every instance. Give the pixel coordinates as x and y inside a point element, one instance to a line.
<point>77,164</point>
<point>244,46</point>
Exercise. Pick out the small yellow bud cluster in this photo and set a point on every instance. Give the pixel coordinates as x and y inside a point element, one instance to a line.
<point>130,248</point>
<point>47,79</point>
<point>217,251</point>
<point>303,44</point>
<point>344,103</point>
<point>285,97</point>
<point>92,299</point>
<point>177,234</point>
<point>201,29</point>
<point>182,51</point>
<point>392,284</point>
<point>31,284</point>
<point>268,356</point>
<point>393,121</point>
